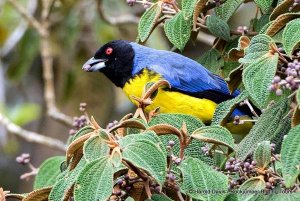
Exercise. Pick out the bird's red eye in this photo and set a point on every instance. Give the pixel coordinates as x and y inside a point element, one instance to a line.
<point>108,51</point>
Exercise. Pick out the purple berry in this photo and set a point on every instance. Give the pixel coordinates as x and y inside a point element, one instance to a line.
<point>278,92</point>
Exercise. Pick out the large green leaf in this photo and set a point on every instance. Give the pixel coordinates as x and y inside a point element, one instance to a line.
<point>214,134</point>
<point>265,5</point>
<point>177,120</point>
<point>262,154</point>
<point>65,182</point>
<point>188,7</point>
<point>224,109</point>
<point>199,178</point>
<point>259,47</point>
<point>265,128</point>
<point>95,181</point>
<point>290,156</point>
<point>291,36</point>
<point>218,27</point>
<point>148,156</point>
<point>226,10</point>
<point>212,60</point>
<point>95,148</point>
<point>48,172</point>
<point>258,76</point>
<point>252,184</point>
<point>149,20</point>
<point>178,30</point>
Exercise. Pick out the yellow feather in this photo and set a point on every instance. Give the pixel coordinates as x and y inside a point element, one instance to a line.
<point>169,101</point>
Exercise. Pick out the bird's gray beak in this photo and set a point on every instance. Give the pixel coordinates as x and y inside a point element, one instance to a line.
<point>93,64</point>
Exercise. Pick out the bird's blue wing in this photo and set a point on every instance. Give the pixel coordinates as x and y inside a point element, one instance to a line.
<point>184,74</point>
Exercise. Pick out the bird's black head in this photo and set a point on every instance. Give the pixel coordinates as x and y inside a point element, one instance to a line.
<point>115,60</point>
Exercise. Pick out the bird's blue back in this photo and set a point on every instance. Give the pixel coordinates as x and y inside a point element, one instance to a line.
<point>181,72</point>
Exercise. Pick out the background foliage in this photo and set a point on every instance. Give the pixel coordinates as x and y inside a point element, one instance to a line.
<point>175,156</point>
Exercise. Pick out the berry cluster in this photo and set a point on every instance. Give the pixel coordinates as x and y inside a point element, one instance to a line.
<point>112,124</point>
<point>174,158</point>
<point>244,169</point>
<point>23,159</point>
<point>291,81</point>
<point>205,150</point>
<point>242,29</point>
<point>130,2</point>
<point>78,122</point>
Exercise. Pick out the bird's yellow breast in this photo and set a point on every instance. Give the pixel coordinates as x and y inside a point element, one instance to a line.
<point>170,101</point>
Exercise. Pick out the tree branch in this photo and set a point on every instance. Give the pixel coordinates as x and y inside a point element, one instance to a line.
<point>47,58</point>
<point>31,136</point>
<point>31,20</point>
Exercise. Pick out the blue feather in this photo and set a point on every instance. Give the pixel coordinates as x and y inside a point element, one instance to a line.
<point>183,73</point>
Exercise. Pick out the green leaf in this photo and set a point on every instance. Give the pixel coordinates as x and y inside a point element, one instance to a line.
<point>265,5</point>
<point>160,197</point>
<point>218,27</point>
<point>291,36</point>
<point>286,196</point>
<point>212,60</point>
<point>24,113</point>
<point>262,154</point>
<point>265,128</point>
<point>48,172</point>
<point>81,132</point>
<point>258,76</point>
<point>95,181</point>
<point>199,177</point>
<point>224,109</point>
<point>178,30</point>
<point>129,199</point>
<point>149,20</point>
<point>226,10</point>
<point>148,156</point>
<point>95,148</point>
<point>253,184</point>
<point>215,135</point>
<point>259,47</point>
<point>188,7</point>
<point>261,22</point>
<point>177,120</point>
<point>65,183</point>
<point>290,157</point>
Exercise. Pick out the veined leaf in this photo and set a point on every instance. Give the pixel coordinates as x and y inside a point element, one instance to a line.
<point>291,36</point>
<point>148,156</point>
<point>212,60</point>
<point>188,7</point>
<point>215,135</point>
<point>283,7</point>
<point>236,53</point>
<point>95,181</point>
<point>177,120</point>
<point>149,20</point>
<point>280,22</point>
<point>48,172</point>
<point>259,47</point>
<point>262,154</point>
<point>81,132</point>
<point>265,5</point>
<point>218,27</point>
<point>226,10</point>
<point>64,184</point>
<point>199,177</point>
<point>95,148</point>
<point>178,30</point>
<point>160,197</point>
<point>258,76</point>
<point>198,9</point>
<point>38,195</point>
<point>252,184</point>
<point>265,129</point>
<point>224,109</point>
<point>290,157</point>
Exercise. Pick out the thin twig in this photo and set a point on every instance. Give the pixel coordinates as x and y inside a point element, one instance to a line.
<point>31,20</point>
<point>31,136</point>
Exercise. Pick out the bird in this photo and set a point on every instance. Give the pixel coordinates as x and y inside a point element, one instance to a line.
<point>194,89</point>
